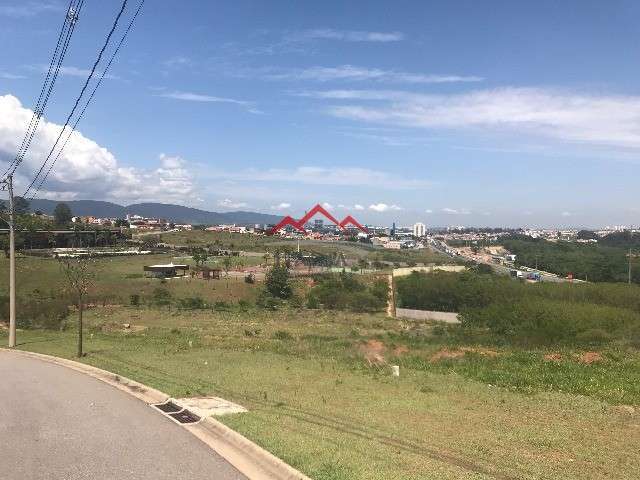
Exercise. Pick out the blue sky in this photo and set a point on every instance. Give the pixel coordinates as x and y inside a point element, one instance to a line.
<point>451,113</point>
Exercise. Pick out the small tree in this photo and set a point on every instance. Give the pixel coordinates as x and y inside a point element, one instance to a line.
<point>227,263</point>
<point>79,274</point>
<point>62,214</point>
<point>277,282</point>
<point>200,256</point>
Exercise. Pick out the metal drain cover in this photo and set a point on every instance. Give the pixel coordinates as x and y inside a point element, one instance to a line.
<point>185,416</point>
<point>168,407</point>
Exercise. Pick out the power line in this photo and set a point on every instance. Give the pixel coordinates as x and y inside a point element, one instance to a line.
<point>84,88</point>
<point>64,38</point>
<point>106,69</point>
<point>37,109</point>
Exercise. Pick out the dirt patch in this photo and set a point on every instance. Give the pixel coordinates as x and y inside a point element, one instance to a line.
<point>590,357</point>
<point>624,409</point>
<point>445,353</point>
<point>120,327</point>
<point>400,350</point>
<point>552,357</point>
<point>373,352</point>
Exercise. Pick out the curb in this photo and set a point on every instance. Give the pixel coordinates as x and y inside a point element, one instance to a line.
<point>248,458</point>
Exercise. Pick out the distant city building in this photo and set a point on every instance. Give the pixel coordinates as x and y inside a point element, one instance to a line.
<point>419,229</point>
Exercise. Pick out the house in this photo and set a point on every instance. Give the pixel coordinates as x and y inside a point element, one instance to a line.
<point>165,271</point>
<point>206,273</point>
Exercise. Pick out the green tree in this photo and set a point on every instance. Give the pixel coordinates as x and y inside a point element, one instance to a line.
<point>227,263</point>
<point>200,256</point>
<point>277,282</point>
<point>62,214</point>
<point>79,273</point>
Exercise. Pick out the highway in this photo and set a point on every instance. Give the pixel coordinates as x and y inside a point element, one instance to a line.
<point>506,270</point>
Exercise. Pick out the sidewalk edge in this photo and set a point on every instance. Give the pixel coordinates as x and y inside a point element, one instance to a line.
<point>249,458</point>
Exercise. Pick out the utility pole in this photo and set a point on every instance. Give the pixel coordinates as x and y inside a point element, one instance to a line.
<point>12,264</point>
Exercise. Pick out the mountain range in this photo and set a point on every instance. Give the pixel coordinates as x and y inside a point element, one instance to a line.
<point>170,212</point>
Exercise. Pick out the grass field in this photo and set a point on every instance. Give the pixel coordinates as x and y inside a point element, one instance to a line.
<point>120,277</point>
<point>319,399</point>
<point>351,250</point>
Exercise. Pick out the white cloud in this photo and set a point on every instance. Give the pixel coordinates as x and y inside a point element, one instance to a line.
<point>179,61</point>
<point>22,8</point>
<point>84,73</point>
<point>354,73</point>
<point>454,211</point>
<point>11,76</point>
<point>228,203</point>
<point>428,210</point>
<point>327,206</point>
<point>338,176</point>
<point>566,214</point>
<point>71,71</point>
<point>196,97</point>
<point>596,119</point>
<point>86,169</point>
<point>281,206</point>
<point>358,207</point>
<point>346,35</point>
<point>383,207</point>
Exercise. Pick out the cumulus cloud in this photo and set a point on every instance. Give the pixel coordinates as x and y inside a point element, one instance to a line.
<point>353,73</point>
<point>566,214</point>
<point>281,206</point>
<point>597,119</point>
<point>383,207</point>
<point>428,210</point>
<point>358,207</point>
<point>327,206</point>
<point>86,169</point>
<point>346,35</point>
<point>339,176</point>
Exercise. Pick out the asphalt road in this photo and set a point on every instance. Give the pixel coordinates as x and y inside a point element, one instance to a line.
<point>59,424</point>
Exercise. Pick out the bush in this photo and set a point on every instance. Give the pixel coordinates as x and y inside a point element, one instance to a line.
<point>37,311</point>
<point>282,335</point>
<point>251,278</point>
<point>192,303</point>
<point>222,306</point>
<point>345,292</point>
<point>593,336</point>
<point>277,282</point>
<point>134,300</point>
<point>161,296</point>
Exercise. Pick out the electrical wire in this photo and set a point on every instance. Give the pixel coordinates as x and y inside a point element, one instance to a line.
<point>68,26</point>
<point>106,69</point>
<point>75,106</point>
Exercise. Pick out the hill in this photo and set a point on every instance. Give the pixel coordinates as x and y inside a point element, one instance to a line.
<point>173,213</point>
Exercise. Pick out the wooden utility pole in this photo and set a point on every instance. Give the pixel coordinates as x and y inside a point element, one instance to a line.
<point>12,264</point>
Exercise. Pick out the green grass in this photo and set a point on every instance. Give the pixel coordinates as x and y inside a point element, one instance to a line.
<point>118,278</point>
<point>315,402</point>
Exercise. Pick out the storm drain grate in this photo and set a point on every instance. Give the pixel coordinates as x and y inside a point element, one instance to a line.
<point>185,416</point>
<point>168,407</point>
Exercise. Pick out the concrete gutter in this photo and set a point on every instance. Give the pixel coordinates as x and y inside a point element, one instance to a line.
<point>250,459</point>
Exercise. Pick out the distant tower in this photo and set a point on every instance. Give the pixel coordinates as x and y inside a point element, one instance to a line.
<point>419,230</point>
<point>393,229</point>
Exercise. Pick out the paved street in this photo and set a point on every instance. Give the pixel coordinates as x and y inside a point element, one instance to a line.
<point>56,423</point>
